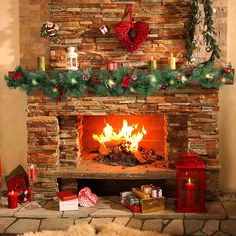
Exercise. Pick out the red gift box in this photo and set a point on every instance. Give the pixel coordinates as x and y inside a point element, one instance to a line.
<point>134,208</point>
<point>66,195</point>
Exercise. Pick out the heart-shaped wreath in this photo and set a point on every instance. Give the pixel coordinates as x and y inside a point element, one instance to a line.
<point>131,35</point>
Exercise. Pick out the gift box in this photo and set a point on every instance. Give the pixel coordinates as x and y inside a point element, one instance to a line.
<point>134,208</point>
<point>69,205</point>
<point>66,195</point>
<point>133,200</point>
<point>87,198</point>
<point>124,195</point>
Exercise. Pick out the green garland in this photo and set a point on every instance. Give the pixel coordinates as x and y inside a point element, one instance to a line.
<point>208,35</point>
<point>121,82</point>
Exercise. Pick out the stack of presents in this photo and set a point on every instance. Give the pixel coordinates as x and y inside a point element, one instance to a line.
<point>69,201</point>
<point>148,198</point>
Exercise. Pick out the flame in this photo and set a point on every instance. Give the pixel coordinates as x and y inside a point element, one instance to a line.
<point>127,134</point>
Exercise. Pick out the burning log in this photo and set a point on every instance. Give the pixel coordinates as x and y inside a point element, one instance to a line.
<point>139,157</point>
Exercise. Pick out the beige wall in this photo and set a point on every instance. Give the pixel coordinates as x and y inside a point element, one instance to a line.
<point>12,102</point>
<point>13,139</point>
<point>228,113</point>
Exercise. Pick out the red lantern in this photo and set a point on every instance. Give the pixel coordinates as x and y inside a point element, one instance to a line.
<point>190,176</point>
<point>111,65</point>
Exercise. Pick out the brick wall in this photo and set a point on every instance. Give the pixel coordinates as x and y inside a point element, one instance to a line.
<point>79,22</point>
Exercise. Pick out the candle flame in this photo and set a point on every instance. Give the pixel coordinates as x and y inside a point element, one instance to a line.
<point>12,192</point>
<point>32,166</point>
<point>189,180</point>
<point>171,54</point>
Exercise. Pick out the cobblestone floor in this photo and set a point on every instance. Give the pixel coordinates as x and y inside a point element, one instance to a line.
<point>219,219</point>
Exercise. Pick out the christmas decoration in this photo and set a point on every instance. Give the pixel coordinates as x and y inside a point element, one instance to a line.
<point>131,35</point>
<point>16,76</point>
<point>103,29</point>
<point>71,59</point>
<point>111,83</point>
<point>66,195</point>
<point>190,176</point>
<point>208,35</point>
<point>126,81</point>
<point>69,205</point>
<point>227,71</point>
<point>41,63</point>
<point>59,85</point>
<point>49,30</point>
<point>18,181</point>
<point>111,65</point>
<point>87,198</point>
<point>12,198</point>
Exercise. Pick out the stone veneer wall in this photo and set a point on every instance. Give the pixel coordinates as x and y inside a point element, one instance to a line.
<point>191,123</point>
<point>79,22</point>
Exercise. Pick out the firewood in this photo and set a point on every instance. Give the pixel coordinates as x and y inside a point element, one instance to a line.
<point>139,157</point>
<point>104,150</point>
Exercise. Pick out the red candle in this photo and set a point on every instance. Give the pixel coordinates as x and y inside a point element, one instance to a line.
<point>32,173</point>
<point>12,199</point>
<point>111,65</point>
<point>189,186</point>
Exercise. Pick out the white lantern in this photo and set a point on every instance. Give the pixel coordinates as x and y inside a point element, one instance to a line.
<point>71,59</point>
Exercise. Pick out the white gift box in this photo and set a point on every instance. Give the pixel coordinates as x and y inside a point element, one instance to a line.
<point>69,205</point>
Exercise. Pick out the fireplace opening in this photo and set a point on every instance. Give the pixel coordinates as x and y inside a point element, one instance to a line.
<point>123,140</point>
<point>113,187</point>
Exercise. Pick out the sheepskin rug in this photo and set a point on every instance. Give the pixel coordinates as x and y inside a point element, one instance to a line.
<point>110,229</point>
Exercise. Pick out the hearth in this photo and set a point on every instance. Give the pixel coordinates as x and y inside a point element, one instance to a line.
<point>61,144</point>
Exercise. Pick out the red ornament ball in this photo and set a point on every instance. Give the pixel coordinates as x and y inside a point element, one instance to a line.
<point>227,71</point>
<point>126,81</point>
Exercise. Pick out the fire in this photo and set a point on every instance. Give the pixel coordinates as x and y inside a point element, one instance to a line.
<point>128,134</point>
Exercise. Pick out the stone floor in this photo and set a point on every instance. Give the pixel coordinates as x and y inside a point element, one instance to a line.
<point>220,218</point>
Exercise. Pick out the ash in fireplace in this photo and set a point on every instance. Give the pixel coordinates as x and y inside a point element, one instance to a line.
<point>119,155</point>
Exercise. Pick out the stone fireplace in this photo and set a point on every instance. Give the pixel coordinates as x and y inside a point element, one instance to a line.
<point>60,137</point>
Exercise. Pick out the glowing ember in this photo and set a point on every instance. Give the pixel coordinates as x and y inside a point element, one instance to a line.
<point>128,135</point>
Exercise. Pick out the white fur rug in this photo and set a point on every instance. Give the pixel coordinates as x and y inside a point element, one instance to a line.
<point>110,229</point>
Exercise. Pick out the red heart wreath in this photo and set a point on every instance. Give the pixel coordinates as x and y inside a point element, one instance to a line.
<point>131,36</point>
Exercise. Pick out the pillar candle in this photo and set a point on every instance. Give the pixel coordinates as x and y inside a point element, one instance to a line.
<point>189,187</point>
<point>32,173</point>
<point>153,63</point>
<point>12,199</point>
<point>172,62</point>
<point>41,63</point>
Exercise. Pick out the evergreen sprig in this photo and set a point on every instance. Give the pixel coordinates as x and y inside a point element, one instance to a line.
<point>59,85</point>
<point>209,33</point>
